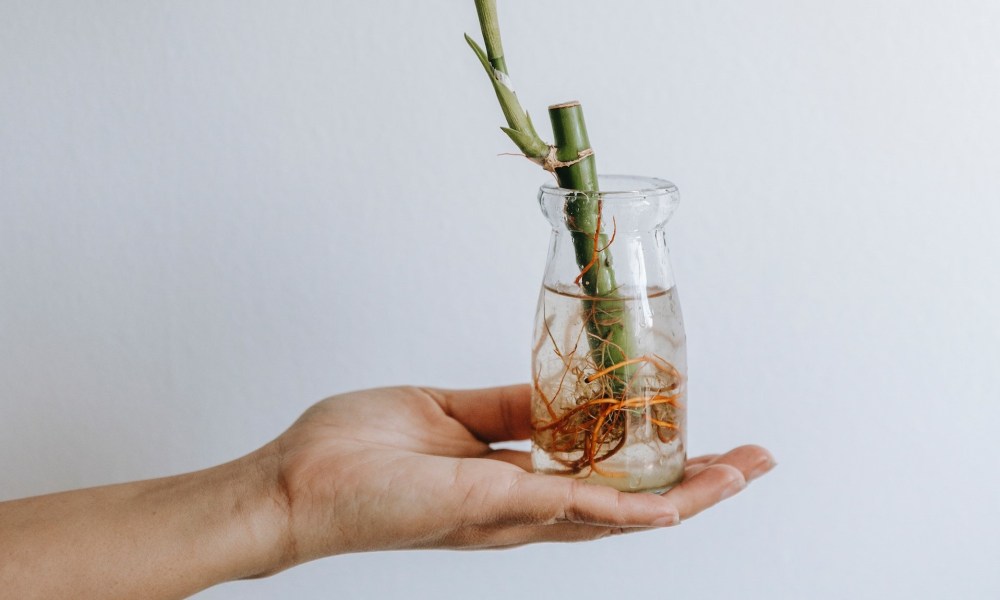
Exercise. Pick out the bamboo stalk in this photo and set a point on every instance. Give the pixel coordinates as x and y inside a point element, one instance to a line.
<point>611,342</point>
<point>575,168</point>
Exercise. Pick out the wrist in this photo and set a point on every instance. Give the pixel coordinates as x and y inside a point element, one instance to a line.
<point>261,514</point>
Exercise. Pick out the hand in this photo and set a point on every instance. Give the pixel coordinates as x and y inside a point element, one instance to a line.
<point>410,467</point>
<point>373,470</point>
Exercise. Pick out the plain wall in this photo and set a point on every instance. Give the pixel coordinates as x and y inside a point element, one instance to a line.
<point>213,214</point>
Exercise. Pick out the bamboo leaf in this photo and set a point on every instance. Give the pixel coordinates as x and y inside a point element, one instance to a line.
<point>480,54</point>
<point>531,126</point>
<point>524,141</point>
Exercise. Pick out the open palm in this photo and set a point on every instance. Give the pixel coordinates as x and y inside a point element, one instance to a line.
<point>409,467</point>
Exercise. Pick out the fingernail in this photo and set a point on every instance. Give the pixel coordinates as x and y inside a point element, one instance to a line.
<point>667,521</point>
<point>732,489</point>
<point>762,468</point>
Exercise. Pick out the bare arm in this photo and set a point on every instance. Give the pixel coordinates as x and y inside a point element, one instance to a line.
<point>162,538</point>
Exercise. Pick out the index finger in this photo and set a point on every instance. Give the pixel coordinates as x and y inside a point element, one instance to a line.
<point>496,414</point>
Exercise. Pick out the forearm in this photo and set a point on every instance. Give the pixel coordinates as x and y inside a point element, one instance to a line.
<point>157,539</point>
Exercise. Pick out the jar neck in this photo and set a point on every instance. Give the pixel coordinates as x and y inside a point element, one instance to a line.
<point>639,262</point>
<point>609,242</point>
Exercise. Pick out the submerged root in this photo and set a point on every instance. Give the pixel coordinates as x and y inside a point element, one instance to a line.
<point>596,426</point>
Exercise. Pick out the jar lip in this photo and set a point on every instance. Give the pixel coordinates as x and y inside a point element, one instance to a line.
<point>619,186</point>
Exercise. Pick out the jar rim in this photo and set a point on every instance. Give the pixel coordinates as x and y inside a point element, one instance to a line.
<point>619,186</point>
<point>632,203</point>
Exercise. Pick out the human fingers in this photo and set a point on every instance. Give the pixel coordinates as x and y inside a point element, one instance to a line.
<point>719,479</point>
<point>698,463</point>
<point>534,499</point>
<point>479,538</point>
<point>493,414</point>
<point>753,461</point>
<point>514,457</point>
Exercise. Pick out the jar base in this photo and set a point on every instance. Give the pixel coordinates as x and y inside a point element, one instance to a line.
<point>640,468</point>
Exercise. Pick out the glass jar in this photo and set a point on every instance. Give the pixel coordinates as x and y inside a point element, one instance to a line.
<point>608,360</point>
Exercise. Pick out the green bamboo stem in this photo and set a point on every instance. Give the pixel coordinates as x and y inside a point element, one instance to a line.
<point>486,10</point>
<point>611,341</point>
<point>575,168</point>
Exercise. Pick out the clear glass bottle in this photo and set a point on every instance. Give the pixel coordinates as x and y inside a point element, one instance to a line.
<point>608,361</point>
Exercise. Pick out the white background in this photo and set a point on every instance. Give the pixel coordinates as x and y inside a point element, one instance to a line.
<point>213,214</point>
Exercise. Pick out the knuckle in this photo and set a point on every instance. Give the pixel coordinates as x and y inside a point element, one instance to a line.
<point>570,510</point>
<point>428,392</point>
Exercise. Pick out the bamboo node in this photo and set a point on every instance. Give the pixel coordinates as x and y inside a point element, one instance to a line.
<point>503,79</point>
<point>550,163</point>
